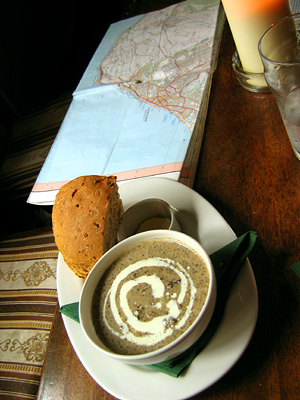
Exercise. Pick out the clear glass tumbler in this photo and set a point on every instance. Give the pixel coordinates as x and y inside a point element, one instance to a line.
<point>279,50</point>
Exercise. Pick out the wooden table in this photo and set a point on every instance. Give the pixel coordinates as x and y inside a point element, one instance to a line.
<point>248,172</point>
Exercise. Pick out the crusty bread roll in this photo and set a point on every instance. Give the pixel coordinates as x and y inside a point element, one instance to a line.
<point>86,215</point>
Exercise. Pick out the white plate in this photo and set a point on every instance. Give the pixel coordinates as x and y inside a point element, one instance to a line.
<point>200,220</point>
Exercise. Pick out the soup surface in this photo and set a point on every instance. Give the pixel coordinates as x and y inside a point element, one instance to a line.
<point>149,296</point>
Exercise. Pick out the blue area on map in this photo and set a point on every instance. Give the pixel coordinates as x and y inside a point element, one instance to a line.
<point>111,132</point>
<point>115,30</point>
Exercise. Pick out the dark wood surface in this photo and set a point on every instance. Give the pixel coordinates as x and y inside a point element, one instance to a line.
<point>248,172</point>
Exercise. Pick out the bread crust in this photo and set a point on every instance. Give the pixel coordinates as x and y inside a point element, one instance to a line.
<point>79,220</point>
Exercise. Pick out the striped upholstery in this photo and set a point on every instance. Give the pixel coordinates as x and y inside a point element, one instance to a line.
<point>29,143</point>
<point>28,300</point>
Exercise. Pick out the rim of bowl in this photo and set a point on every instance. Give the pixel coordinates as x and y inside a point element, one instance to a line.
<point>136,239</point>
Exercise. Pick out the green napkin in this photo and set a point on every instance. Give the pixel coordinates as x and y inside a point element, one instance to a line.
<point>227,262</point>
<point>296,268</point>
<point>71,310</point>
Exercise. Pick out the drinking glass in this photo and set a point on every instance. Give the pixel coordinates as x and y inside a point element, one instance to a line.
<point>280,54</point>
<point>248,20</point>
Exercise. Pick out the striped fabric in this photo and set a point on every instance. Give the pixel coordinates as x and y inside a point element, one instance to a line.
<point>29,143</point>
<point>28,300</point>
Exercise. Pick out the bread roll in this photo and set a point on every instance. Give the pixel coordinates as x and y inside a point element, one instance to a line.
<point>86,215</point>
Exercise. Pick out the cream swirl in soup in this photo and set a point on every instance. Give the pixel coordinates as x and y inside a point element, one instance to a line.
<point>149,296</point>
